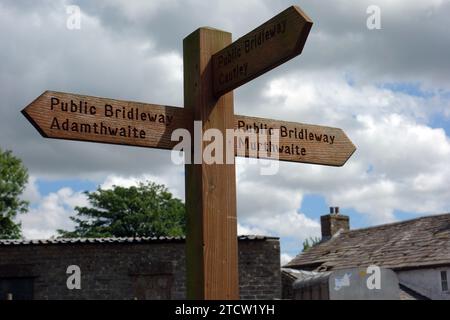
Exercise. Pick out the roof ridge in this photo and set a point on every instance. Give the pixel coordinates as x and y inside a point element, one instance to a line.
<point>116,239</point>
<point>430,216</point>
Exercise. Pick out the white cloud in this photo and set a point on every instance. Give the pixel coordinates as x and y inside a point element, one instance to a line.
<point>289,224</point>
<point>401,162</point>
<point>31,192</point>
<point>50,213</point>
<point>93,61</point>
<point>285,258</point>
<point>246,230</point>
<point>173,181</point>
<point>266,208</point>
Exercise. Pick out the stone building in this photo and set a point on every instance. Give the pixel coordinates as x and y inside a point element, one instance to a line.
<point>417,250</point>
<point>125,268</point>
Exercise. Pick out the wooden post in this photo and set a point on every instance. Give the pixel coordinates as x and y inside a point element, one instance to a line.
<point>213,67</point>
<point>211,244</point>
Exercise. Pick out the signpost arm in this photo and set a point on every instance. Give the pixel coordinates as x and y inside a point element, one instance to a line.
<point>211,244</point>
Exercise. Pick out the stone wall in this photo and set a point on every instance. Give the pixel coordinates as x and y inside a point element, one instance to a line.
<point>259,269</point>
<point>153,270</point>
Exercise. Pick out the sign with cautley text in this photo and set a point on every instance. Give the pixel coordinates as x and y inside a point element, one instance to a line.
<point>271,44</point>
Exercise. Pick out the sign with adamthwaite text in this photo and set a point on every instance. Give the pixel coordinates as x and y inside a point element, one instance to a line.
<point>77,117</point>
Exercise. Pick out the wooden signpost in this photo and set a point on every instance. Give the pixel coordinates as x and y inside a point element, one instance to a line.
<point>271,44</point>
<point>60,115</point>
<point>298,142</point>
<point>213,67</point>
<point>76,117</point>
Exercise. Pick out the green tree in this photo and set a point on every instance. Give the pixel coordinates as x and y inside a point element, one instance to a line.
<point>310,242</point>
<point>146,210</point>
<point>13,179</point>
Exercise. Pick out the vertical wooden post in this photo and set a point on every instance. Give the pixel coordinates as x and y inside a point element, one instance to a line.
<point>211,244</point>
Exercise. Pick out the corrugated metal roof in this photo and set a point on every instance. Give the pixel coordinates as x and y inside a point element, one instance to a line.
<point>117,240</point>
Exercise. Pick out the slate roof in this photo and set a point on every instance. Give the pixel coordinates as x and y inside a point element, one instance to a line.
<point>414,243</point>
<point>118,240</point>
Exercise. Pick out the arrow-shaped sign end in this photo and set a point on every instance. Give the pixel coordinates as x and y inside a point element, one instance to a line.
<point>303,14</point>
<point>350,148</point>
<point>308,23</point>
<point>28,111</point>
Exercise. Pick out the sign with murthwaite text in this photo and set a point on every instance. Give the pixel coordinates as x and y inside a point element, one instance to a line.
<point>69,116</point>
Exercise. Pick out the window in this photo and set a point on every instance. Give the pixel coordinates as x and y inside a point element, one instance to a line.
<point>444,282</point>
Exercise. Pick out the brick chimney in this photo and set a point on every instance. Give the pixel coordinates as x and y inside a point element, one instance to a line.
<point>333,222</point>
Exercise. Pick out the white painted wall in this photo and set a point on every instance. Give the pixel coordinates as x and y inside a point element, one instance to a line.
<point>426,282</point>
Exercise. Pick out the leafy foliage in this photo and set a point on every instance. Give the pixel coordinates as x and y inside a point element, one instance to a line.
<point>310,242</point>
<point>146,210</point>
<point>13,179</point>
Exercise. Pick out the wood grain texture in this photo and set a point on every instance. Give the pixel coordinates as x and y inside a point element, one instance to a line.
<point>262,49</point>
<point>105,120</point>
<point>297,142</point>
<point>322,145</point>
<point>212,267</point>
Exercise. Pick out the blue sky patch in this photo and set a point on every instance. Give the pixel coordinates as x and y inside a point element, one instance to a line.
<point>411,89</point>
<point>314,206</point>
<point>439,121</point>
<point>48,186</point>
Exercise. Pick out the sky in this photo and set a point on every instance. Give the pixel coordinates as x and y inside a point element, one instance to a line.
<point>388,88</point>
